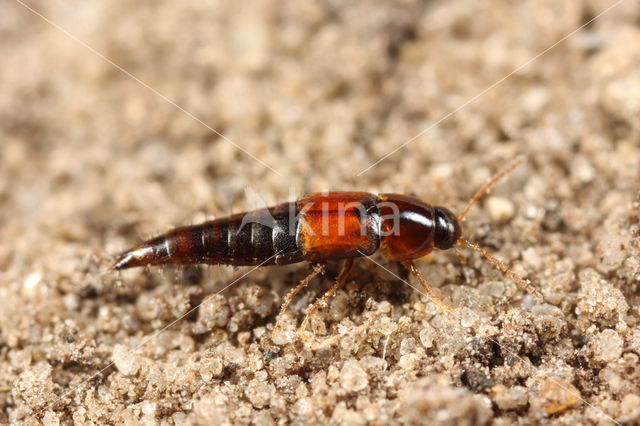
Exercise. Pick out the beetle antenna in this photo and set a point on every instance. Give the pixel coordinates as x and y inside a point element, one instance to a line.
<point>524,284</point>
<point>485,188</point>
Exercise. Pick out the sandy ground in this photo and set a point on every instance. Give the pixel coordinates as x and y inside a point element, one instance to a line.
<point>92,160</point>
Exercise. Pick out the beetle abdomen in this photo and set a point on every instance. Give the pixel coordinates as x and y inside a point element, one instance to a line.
<point>261,237</point>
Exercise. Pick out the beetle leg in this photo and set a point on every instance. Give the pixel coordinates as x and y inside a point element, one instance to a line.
<point>432,294</point>
<point>322,301</point>
<point>317,269</point>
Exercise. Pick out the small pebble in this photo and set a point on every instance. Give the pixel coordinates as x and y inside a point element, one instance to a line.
<point>408,362</point>
<point>32,280</point>
<point>582,169</point>
<point>512,398</point>
<point>531,258</point>
<point>213,312</point>
<point>492,288</point>
<point>149,408</point>
<point>500,208</point>
<point>386,326</point>
<point>408,346</point>
<point>610,346</point>
<point>125,360</point>
<point>373,365</point>
<point>50,419</point>
<point>468,317</point>
<point>598,300</point>
<point>427,334</point>
<point>259,393</point>
<point>34,385</point>
<point>630,404</point>
<point>613,251</point>
<point>352,377</point>
<point>211,369</point>
<point>558,395</point>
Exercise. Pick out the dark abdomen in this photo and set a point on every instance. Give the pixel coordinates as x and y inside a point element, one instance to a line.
<point>260,237</point>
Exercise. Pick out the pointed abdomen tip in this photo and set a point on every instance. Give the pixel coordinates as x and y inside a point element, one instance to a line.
<point>140,256</point>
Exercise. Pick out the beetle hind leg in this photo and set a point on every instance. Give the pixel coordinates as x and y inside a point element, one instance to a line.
<point>322,301</point>
<point>317,269</point>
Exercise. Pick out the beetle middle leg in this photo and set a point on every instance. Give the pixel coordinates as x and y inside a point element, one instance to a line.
<point>317,269</point>
<point>322,301</point>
